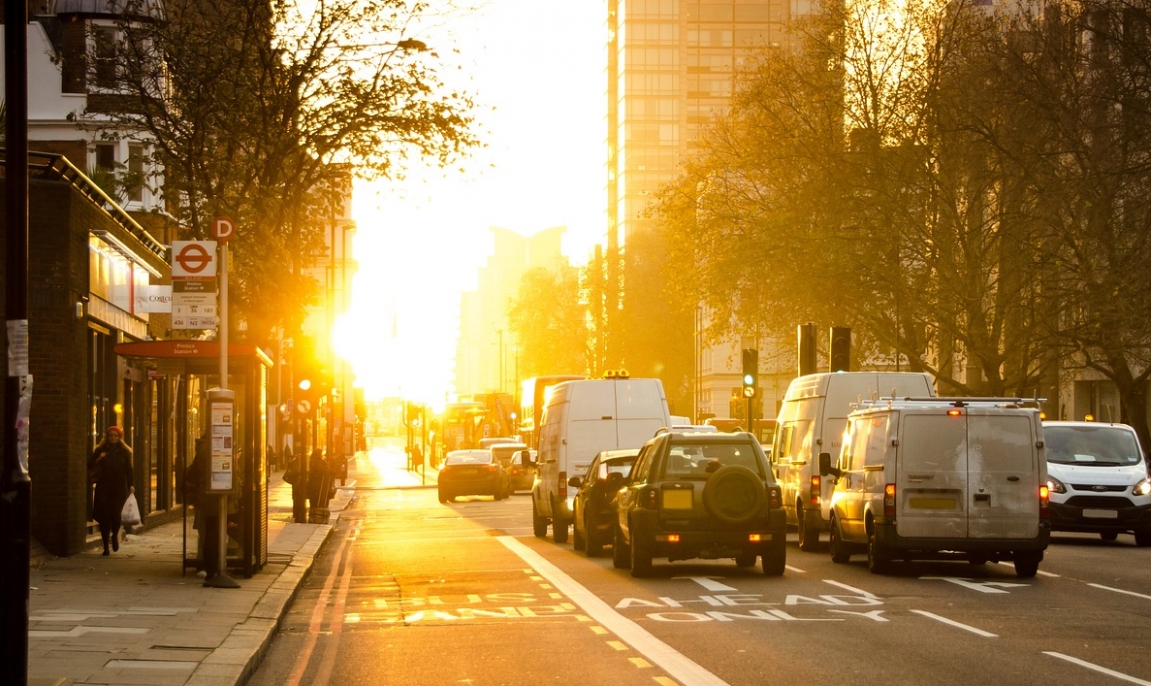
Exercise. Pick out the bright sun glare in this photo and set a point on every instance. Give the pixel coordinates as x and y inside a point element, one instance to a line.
<point>537,70</point>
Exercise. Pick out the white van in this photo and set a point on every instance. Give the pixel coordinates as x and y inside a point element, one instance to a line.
<point>1098,478</point>
<point>811,421</point>
<point>582,418</point>
<point>938,478</point>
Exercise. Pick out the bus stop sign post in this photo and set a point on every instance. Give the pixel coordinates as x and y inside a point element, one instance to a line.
<point>221,406</point>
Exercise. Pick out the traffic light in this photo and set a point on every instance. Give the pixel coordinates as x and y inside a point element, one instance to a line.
<point>750,372</point>
<point>306,397</point>
<point>840,358</point>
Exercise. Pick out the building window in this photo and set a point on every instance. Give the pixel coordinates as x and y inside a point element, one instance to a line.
<point>106,156</point>
<point>105,53</point>
<point>134,182</point>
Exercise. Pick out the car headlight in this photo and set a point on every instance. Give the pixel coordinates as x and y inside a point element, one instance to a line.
<point>1055,485</point>
<point>1143,487</point>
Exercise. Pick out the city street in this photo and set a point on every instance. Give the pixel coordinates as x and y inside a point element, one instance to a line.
<point>409,591</point>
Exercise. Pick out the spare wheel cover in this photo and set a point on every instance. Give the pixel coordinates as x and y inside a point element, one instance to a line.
<point>734,495</point>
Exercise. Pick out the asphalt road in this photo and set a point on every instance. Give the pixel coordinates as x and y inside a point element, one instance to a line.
<point>409,591</point>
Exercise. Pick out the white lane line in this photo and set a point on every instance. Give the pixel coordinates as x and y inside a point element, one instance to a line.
<point>952,622</point>
<point>1120,590</point>
<point>677,665</point>
<point>1102,670</point>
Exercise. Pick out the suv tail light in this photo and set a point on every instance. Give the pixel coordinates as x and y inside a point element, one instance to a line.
<point>815,484</point>
<point>889,501</point>
<point>774,497</point>
<point>649,498</point>
<point>1044,503</point>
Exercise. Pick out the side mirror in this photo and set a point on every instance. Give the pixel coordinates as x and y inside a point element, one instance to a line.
<point>574,482</point>
<point>825,468</point>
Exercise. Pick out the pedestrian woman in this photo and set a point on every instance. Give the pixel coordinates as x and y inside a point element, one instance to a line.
<point>110,468</point>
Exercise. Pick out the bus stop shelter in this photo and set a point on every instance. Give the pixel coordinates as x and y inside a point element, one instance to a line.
<point>195,366</point>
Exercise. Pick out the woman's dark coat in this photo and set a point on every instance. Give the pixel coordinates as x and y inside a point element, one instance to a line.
<point>110,468</point>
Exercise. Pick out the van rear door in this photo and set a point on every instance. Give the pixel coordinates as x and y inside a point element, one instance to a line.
<point>931,478</point>
<point>1003,464</point>
<point>972,474</point>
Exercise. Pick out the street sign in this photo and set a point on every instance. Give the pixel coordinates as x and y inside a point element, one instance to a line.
<point>193,259</point>
<point>223,228</point>
<point>304,406</point>
<point>194,285</point>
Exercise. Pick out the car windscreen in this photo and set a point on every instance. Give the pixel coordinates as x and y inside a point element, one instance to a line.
<point>1100,446</point>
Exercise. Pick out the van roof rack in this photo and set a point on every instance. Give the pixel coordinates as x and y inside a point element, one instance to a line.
<point>956,401</point>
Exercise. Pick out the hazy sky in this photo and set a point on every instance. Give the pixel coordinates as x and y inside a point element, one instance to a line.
<point>541,65</point>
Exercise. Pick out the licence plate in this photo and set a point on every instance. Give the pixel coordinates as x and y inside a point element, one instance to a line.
<point>932,503</point>
<point>677,499</point>
<point>1101,514</point>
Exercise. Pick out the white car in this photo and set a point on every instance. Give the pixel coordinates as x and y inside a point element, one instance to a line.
<point>1097,476</point>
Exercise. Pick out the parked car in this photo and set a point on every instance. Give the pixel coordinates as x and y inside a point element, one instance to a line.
<point>592,515</point>
<point>700,495</point>
<point>472,472</point>
<point>1097,476</point>
<point>522,470</point>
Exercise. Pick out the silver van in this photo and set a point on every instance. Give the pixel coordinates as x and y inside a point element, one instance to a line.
<point>939,478</point>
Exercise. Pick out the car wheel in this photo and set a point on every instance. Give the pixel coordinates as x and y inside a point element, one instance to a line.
<point>1109,535</point>
<point>620,555</point>
<point>1027,564</point>
<point>640,557</point>
<point>443,498</point>
<point>594,543</point>
<point>808,529</point>
<point>734,495</point>
<point>1143,538</point>
<point>839,553</point>
<point>774,557</point>
<point>746,559</point>
<point>578,541</point>
<point>877,560</point>
<point>539,524</point>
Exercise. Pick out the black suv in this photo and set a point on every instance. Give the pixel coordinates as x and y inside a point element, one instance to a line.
<point>700,495</point>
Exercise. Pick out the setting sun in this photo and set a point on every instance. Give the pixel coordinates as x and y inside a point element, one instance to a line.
<point>419,243</point>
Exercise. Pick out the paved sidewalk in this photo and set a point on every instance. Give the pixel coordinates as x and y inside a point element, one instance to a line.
<point>132,618</point>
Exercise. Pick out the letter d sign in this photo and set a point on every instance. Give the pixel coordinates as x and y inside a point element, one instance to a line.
<point>223,228</point>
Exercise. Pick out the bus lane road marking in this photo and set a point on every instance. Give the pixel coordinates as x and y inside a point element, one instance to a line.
<point>676,664</point>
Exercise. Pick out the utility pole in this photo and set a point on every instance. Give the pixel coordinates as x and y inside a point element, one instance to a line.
<point>15,484</point>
